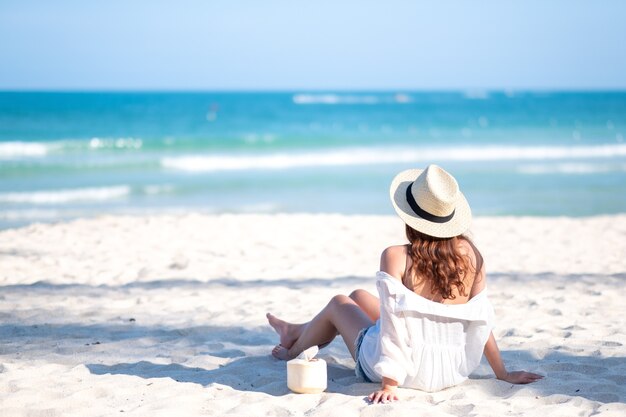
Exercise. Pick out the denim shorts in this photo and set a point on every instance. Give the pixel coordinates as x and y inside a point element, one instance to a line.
<point>358,369</point>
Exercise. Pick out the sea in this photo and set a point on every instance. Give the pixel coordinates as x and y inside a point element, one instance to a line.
<point>65,155</point>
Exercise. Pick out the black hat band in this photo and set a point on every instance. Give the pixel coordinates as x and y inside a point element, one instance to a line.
<point>423,213</point>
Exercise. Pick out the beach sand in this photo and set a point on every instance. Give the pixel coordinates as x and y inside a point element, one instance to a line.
<point>165,315</point>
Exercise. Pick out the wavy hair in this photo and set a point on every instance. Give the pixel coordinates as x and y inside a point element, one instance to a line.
<point>438,261</point>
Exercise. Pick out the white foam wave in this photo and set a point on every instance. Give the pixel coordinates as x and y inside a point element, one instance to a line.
<point>35,214</point>
<point>334,99</point>
<point>10,150</point>
<point>489,153</point>
<point>119,143</point>
<point>571,168</point>
<point>17,149</point>
<point>158,189</point>
<point>66,195</point>
<point>366,156</point>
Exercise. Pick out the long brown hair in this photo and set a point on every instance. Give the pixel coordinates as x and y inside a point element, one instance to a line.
<point>439,262</point>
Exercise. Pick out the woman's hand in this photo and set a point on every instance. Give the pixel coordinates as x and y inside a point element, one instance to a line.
<point>521,377</point>
<point>493,356</point>
<point>383,395</point>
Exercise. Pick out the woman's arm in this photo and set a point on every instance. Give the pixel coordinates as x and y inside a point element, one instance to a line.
<point>387,392</point>
<point>492,353</point>
<point>392,261</point>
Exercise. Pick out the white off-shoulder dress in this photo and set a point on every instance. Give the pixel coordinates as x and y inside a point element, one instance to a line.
<point>423,344</point>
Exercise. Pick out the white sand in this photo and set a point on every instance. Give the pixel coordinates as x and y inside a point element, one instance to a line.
<point>164,316</point>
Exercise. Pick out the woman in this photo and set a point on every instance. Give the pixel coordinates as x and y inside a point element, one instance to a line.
<point>433,321</point>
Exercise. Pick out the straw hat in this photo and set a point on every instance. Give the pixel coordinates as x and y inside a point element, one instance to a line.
<point>430,202</point>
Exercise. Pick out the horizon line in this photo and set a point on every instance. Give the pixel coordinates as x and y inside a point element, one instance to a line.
<point>314,90</point>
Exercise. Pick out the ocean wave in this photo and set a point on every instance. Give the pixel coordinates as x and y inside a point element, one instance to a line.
<point>34,214</point>
<point>61,196</point>
<point>368,156</point>
<point>118,143</point>
<point>538,152</point>
<point>271,161</point>
<point>570,168</point>
<point>334,99</point>
<point>17,149</point>
<point>158,189</point>
<point>10,150</point>
<point>400,98</point>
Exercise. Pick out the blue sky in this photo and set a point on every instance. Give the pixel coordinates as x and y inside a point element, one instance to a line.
<point>312,45</point>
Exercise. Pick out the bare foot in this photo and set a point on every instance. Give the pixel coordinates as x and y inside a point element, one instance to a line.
<point>288,332</point>
<point>280,352</point>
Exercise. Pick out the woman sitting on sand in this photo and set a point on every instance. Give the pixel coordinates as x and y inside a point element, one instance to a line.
<point>433,320</point>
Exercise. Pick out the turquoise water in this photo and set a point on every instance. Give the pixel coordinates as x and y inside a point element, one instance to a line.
<point>65,155</point>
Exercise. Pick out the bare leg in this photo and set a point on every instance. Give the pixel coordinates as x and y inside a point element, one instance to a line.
<point>288,332</point>
<point>369,303</point>
<point>342,315</point>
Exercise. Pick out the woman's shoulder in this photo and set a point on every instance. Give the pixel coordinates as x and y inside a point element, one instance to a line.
<point>467,248</point>
<point>478,278</point>
<point>393,261</point>
<point>464,244</point>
